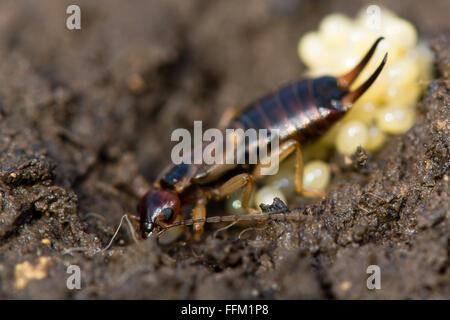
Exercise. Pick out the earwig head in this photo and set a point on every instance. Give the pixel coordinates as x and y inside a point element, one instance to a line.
<point>343,82</point>
<point>157,208</point>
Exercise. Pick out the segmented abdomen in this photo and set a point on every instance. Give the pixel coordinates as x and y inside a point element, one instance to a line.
<point>297,110</point>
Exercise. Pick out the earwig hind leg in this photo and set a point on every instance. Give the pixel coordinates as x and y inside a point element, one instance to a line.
<point>285,150</point>
<point>227,116</point>
<point>199,212</point>
<point>234,184</point>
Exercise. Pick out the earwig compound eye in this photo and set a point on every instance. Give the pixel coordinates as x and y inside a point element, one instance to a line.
<point>168,213</point>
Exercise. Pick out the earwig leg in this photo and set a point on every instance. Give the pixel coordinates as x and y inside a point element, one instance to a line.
<point>186,231</point>
<point>285,150</point>
<point>227,116</point>
<point>199,212</point>
<point>235,183</point>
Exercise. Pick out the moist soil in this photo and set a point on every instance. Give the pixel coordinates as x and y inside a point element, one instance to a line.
<point>86,117</point>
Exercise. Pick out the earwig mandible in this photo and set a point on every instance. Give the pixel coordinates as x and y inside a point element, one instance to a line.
<point>302,112</point>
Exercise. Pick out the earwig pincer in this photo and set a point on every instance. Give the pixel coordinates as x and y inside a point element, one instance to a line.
<point>301,113</point>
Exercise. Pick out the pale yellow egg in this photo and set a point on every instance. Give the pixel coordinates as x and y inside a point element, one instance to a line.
<point>362,111</point>
<point>344,61</point>
<point>311,49</point>
<point>334,28</point>
<point>403,96</point>
<point>376,139</point>
<point>402,72</point>
<point>423,56</point>
<point>359,39</point>
<point>266,195</point>
<point>284,180</point>
<point>401,32</point>
<point>351,135</point>
<point>316,175</point>
<point>394,51</point>
<point>395,120</point>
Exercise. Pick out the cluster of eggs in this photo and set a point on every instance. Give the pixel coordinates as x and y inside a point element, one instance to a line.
<point>387,107</point>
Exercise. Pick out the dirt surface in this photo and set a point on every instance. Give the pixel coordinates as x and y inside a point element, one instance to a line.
<point>84,114</point>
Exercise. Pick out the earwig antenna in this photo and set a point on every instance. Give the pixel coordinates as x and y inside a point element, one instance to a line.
<point>251,228</point>
<point>133,235</point>
<point>235,219</point>
<point>225,228</point>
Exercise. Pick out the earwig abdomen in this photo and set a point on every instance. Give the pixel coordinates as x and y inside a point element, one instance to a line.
<point>303,110</point>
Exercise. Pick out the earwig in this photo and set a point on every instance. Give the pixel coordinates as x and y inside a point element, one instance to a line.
<point>301,113</point>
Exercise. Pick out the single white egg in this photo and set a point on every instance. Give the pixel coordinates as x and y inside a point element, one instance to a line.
<point>351,135</point>
<point>395,120</point>
<point>334,28</point>
<point>316,175</point>
<point>311,49</point>
<point>376,139</point>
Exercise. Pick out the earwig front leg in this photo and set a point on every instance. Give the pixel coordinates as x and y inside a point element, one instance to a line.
<point>199,212</point>
<point>286,149</point>
<point>235,183</point>
<point>186,230</point>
